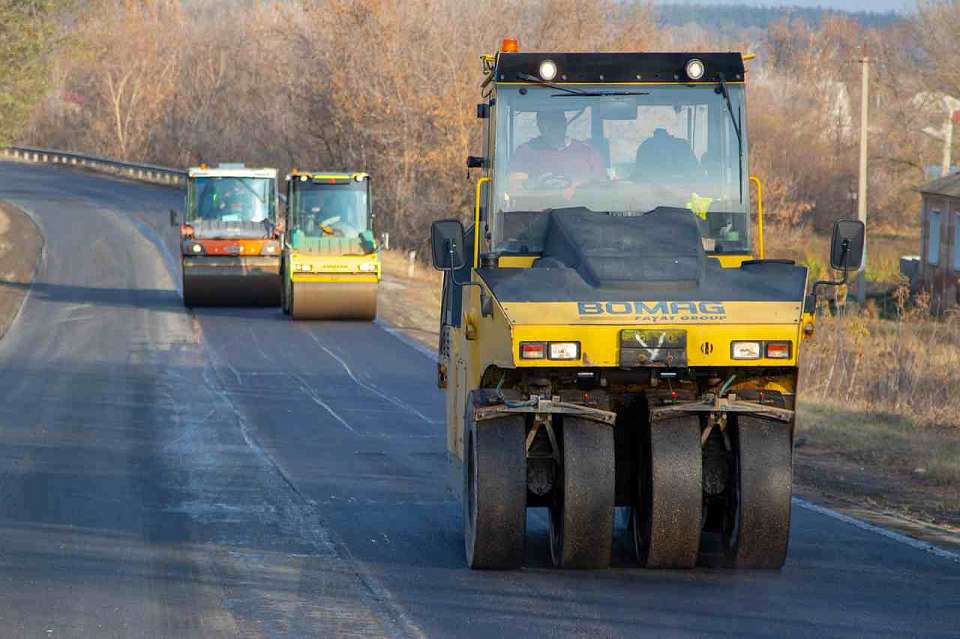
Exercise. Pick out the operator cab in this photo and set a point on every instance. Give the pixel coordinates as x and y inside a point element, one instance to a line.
<point>616,135</point>
<point>329,207</point>
<point>231,194</point>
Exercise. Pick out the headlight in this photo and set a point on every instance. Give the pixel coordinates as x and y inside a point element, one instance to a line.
<point>745,350</point>
<point>695,69</point>
<point>564,350</point>
<point>269,248</point>
<point>302,266</point>
<point>367,267</point>
<point>194,248</point>
<point>548,70</point>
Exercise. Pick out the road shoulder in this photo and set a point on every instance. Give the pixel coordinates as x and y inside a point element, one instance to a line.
<point>21,248</point>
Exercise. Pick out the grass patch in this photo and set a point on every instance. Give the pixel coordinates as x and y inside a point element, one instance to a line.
<point>886,442</point>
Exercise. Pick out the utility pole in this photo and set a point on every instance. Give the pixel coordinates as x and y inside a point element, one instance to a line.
<point>947,144</point>
<point>862,183</point>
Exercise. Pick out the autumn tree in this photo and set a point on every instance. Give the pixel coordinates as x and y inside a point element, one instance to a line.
<point>28,30</point>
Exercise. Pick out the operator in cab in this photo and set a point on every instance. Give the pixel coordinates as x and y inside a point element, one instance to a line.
<point>552,160</point>
<point>333,213</point>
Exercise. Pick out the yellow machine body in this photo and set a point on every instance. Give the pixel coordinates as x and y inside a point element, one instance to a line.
<point>330,272</point>
<point>611,332</point>
<point>488,344</point>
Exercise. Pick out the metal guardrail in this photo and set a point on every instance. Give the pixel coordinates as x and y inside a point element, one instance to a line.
<point>144,172</point>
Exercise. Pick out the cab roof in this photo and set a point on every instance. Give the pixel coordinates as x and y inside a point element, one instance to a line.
<point>600,68</point>
<point>328,175</point>
<point>231,170</point>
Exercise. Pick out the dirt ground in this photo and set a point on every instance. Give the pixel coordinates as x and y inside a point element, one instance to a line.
<point>410,298</point>
<point>874,467</point>
<point>20,248</point>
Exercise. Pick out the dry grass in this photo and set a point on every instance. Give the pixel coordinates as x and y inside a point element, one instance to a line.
<point>883,440</point>
<point>811,249</point>
<point>908,367</point>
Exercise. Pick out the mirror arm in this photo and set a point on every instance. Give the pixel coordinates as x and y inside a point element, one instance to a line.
<point>453,271</point>
<point>845,247</point>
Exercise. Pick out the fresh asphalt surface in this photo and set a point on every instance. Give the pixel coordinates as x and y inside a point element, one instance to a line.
<point>230,473</point>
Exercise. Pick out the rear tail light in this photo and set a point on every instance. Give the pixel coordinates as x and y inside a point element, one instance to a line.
<point>550,350</point>
<point>533,350</point>
<point>778,350</point>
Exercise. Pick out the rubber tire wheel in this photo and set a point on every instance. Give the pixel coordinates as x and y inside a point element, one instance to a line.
<point>495,492</point>
<point>668,516</point>
<point>582,518</point>
<point>758,528</point>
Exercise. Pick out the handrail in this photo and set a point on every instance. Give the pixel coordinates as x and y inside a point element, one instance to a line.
<point>135,170</point>
<point>759,184</point>
<point>476,222</point>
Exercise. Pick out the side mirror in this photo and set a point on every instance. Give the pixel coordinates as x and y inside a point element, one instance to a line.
<point>448,245</point>
<point>475,162</point>
<point>174,218</point>
<point>846,248</point>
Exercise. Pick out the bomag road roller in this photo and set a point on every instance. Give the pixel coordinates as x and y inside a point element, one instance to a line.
<point>229,237</point>
<point>331,266</point>
<point>608,339</point>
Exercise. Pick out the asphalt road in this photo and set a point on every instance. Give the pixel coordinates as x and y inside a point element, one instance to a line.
<point>230,473</point>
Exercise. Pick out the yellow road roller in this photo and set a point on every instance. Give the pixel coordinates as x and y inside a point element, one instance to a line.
<point>331,265</point>
<point>611,336</point>
<point>229,237</point>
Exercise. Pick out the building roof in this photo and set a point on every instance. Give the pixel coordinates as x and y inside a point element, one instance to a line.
<point>948,185</point>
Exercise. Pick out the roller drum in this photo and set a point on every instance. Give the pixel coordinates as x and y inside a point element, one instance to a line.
<point>241,285</point>
<point>334,301</point>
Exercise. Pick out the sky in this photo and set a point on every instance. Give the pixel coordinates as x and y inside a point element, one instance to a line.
<point>847,5</point>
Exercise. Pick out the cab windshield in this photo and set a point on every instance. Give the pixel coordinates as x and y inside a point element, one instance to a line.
<point>646,146</point>
<point>330,210</point>
<point>230,199</point>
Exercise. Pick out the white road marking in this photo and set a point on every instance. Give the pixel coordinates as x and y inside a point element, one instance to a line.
<point>879,530</point>
<point>370,387</point>
<point>305,387</point>
<point>409,341</point>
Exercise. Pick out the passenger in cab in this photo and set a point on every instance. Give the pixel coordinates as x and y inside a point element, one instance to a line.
<point>665,157</point>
